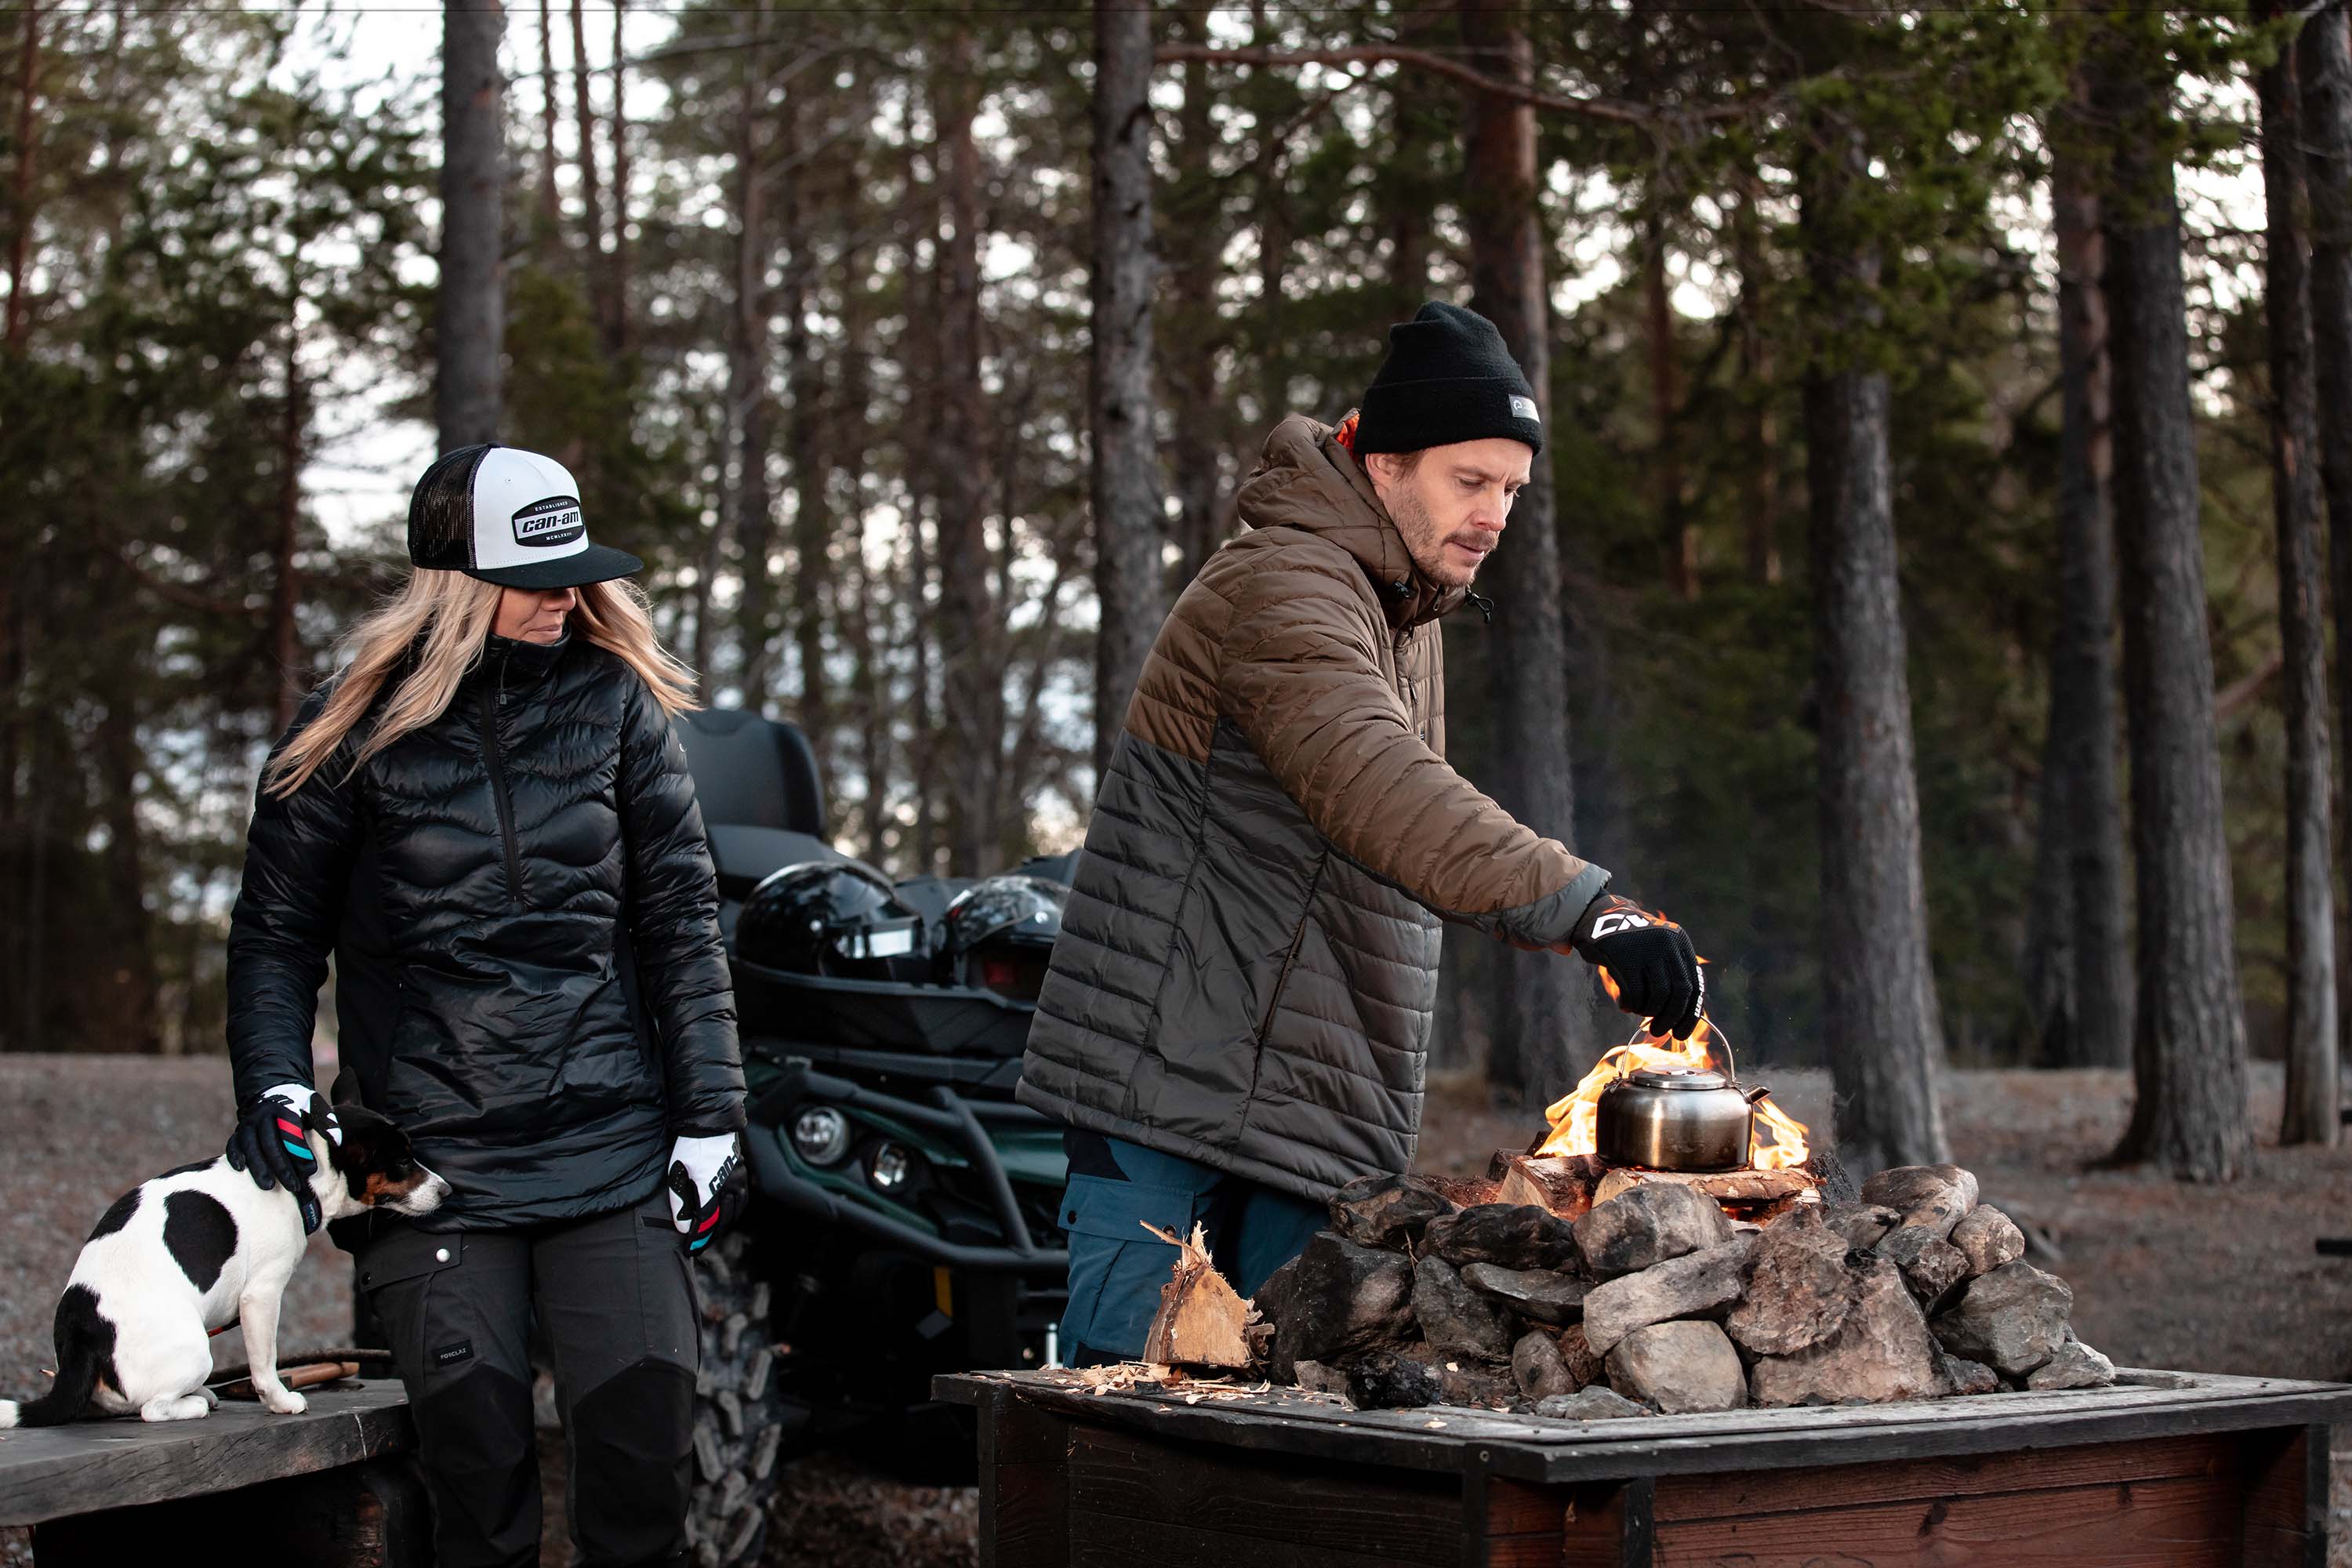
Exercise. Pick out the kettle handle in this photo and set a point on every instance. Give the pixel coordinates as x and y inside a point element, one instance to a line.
<point>1714,1037</point>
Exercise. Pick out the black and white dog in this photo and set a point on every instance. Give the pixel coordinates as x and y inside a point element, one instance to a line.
<point>182,1257</point>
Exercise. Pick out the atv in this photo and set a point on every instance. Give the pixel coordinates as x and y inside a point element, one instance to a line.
<point>903,1205</point>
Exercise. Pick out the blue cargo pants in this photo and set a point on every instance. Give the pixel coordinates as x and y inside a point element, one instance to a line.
<point>1117,1266</point>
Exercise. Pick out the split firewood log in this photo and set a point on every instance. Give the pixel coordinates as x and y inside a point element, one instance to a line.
<point>1561,1183</point>
<point>1202,1321</point>
<point>1736,1187</point>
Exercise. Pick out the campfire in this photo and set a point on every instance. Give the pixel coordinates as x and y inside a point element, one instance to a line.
<point>1565,1283</point>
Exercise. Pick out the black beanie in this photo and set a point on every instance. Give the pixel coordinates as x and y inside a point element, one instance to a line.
<point>1447,378</point>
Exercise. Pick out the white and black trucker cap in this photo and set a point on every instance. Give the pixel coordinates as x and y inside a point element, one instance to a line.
<point>508,517</point>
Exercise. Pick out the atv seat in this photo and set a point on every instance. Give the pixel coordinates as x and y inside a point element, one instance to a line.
<point>761,801</point>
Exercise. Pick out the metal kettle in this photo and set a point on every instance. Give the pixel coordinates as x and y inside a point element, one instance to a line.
<point>1676,1120</point>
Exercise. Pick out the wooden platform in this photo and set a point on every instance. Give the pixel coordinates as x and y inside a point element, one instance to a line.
<point>314,1487</point>
<point>2165,1468</point>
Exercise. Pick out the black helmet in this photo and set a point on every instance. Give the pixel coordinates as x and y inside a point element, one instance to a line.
<point>999,935</point>
<point>834,917</point>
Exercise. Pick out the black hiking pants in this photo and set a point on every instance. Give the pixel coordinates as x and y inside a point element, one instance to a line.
<point>613,1298</point>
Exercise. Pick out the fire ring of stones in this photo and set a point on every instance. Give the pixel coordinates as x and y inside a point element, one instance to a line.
<point>1669,1294</point>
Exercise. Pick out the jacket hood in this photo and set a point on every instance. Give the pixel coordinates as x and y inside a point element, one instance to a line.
<point>1305,479</point>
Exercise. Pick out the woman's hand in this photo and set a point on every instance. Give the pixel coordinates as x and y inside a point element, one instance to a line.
<point>706,1194</point>
<point>271,1144</point>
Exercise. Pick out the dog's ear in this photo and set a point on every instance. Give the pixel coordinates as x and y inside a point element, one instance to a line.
<point>344,1090</point>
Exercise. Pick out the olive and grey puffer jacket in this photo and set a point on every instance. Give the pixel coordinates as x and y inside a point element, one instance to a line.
<point>520,901</point>
<point>1248,963</point>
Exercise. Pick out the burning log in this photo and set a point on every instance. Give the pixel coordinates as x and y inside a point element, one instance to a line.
<point>1202,1321</point>
<point>1736,1190</point>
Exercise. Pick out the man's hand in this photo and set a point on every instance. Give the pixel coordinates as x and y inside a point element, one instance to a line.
<point>1650,963</point>
<point>271,1144</point>
<point>706,1191</point>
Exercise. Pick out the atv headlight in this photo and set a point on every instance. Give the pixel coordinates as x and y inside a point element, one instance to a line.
<point>891,1168</point>
<point>820,1135</point>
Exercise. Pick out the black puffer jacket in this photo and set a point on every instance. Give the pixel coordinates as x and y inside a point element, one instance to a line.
<point>520,900</point>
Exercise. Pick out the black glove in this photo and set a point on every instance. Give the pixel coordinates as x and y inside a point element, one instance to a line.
<point>271,1144</point>
<point>1649,959</point>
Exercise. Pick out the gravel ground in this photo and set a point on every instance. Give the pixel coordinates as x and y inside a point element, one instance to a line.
<point>2204,1279</point>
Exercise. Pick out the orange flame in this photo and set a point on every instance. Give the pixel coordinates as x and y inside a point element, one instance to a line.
<point>1575,1117</point>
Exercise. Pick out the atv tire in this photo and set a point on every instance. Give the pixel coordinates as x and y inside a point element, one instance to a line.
<point>739,1425</point>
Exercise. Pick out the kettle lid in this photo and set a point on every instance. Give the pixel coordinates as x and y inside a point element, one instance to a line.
<point>1651,1077</point>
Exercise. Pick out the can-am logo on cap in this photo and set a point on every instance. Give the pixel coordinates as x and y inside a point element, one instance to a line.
<point>555,521</point>
<point>1523,407</point>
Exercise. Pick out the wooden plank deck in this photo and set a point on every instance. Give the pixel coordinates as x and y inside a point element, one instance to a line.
<point>53,1472</point>
<point>2145,1404</point>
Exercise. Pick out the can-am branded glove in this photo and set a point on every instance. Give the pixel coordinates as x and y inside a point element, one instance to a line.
<point>272,1142</point>
<point>1650,962</point>
<point>706,1187</point>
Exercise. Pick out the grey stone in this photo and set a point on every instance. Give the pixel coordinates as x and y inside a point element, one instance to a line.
<point>1882,1350</point>
<point>1935,1197</point>
<point>1685,1286</point>
<point>1536,1363</point>
<point>2075,1365</point>
<point>1334,1299</point>
<point>1930,1267</point>
<point>2012,1319</point>
<point>1387,1211</point>
<point>1595,1404</point>
<point>1513,1235</point>
<point>1863,1225</point>
<point>1455,1319</point>
<point>1969,1376</point>
<point>1648,1224</point>
<point>1988,1238</point>
<point>1386,1381</point>
<point>1678,1367</point>
<point>1544,1294</point>
<point>1797,1289</point>
<point>1317,1378</point>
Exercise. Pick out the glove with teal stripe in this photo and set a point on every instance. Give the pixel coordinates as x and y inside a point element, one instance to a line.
<point>272,1143</point>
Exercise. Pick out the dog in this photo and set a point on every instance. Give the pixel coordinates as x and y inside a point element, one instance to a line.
<point>182,1257</point>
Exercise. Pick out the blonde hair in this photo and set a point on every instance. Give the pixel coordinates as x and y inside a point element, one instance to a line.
<point>445,617</point>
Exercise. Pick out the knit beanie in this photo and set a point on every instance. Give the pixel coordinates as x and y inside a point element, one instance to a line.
<point>1447,378</point>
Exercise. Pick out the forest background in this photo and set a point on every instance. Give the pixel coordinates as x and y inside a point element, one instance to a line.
<point>1904,584</point>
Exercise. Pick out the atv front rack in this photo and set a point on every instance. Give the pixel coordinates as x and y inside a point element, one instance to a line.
<point>941,1112</point>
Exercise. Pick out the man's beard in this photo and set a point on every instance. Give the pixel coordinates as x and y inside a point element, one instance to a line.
<point>1426,544</point>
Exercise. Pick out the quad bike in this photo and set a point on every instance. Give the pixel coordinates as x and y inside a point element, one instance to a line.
<point>902,1217</point>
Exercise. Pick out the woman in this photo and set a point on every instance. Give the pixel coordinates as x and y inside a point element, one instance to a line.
<point>486,819</point>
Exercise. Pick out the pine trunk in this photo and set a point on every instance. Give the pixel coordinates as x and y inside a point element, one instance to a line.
<point>20,217</point>
<point>616,324</point>
<point>1540,1044</point>
<point>1195,236</point>
<point>469,324</point>
<point>550,205</point>
<point>1760,487</point>
<point>286,585</point>
<point>2325,71</point>
<point>969,654</point>
<point>2078,964</point>
<point>2311,1092</point>
<point>591,185</point>
<point>1129,508</point>
<point>1678,537</point>
<point>1882,1031</point>
<point>2189,1050</point>
<point>751,512</point>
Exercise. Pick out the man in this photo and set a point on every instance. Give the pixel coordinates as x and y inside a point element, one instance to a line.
<point>1236,1018</point>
